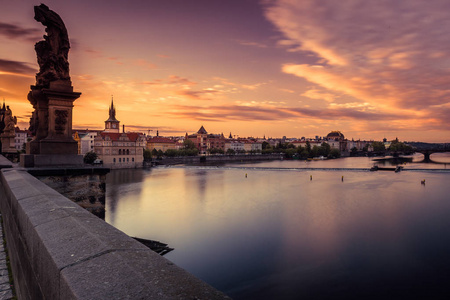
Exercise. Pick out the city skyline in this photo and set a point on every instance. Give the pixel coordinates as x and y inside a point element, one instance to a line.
<point>275,68</point>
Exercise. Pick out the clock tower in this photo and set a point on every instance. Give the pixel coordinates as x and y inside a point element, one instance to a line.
<point>112,124</point>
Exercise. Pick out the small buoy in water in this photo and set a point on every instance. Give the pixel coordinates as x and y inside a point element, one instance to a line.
<point>310,177</point>
<point>342,178</point>
<point>423,181</point>
<point>245,175</point>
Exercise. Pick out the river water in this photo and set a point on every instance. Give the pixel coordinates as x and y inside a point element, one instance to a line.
<point>294,229</point>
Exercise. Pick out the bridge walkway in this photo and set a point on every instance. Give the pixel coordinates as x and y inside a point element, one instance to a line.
<point>6,288</point>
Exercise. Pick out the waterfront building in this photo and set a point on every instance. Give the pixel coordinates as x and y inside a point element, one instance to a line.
<point>85,140</point>
<point>337,141</point>
<point>205,141</point>
<point>359,145</point>
<point>119,150</point>
<point>303,142</point>
<point>160,143</point>
<point>251,145</point>
<point>235,145</point>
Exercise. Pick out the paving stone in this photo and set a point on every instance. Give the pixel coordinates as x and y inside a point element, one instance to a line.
<point>5,295</point>
<point>5,286</point>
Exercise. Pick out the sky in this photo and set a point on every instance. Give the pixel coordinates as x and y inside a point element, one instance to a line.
<point>371,69</point>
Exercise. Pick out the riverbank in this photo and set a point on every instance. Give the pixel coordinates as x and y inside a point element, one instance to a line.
<point>214,158</point>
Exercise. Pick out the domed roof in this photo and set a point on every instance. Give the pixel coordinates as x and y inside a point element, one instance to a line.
<point>335,135</point>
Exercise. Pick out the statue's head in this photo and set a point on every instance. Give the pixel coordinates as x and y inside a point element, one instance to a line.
<point>40,12</point>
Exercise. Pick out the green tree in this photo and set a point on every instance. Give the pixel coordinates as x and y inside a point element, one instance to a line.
<point>192,152</point>
<point>304,154</point>
<point>188,144</point>
<point>378,146</point>
<point>90,157</point>
<point>334,153</point>
<point>324,149</point>
<point>231,152</point>
<point>171,153</point>
<point>290,152</point>
<point>308,147</point>
<point>147,155</point>
<point>154,152</point>
<point>314,151</point>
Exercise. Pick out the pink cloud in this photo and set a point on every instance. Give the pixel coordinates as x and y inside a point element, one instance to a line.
<point>389,54</point>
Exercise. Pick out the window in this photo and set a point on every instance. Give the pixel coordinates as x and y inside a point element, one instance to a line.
<point>128,151</point>
<point>120,160</point>
<point>120,151</point>
<point>128,159</point>
<point>132,159</point>
<point>114,160</point>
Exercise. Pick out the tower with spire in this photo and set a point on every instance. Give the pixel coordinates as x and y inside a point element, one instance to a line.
<point>112,124</point>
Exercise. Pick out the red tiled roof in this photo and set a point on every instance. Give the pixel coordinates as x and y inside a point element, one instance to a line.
<point>114,136</point>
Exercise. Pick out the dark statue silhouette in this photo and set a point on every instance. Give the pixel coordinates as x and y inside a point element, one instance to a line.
<point>52,52</point>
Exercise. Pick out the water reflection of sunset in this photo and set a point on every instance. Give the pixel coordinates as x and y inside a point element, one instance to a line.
<point>264,234</point>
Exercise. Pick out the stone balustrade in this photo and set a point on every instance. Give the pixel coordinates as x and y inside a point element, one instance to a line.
<point>58,250</point>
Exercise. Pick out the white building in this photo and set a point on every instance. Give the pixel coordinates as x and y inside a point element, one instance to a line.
<point>20,139</point>
<point>252,146</point>
<point>236,145</point>
<point>85,139</point>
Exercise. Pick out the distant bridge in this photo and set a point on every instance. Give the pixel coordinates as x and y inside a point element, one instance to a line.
<point>427,152</point>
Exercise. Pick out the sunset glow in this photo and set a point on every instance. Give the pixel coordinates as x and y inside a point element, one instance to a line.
<point>370,69</point>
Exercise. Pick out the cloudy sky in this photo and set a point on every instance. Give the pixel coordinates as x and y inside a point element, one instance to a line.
<point>371,69</point>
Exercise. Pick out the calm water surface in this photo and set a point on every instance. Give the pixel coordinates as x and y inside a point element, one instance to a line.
<point>277,234</point>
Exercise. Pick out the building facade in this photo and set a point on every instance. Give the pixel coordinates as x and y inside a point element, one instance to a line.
<point>205,141</point>
<point>160,143</point>
<point>119,150</point>
<point>85,140</point>
<point>21,138</point>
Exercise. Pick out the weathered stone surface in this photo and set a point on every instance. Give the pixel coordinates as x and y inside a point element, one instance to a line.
<point>84,186</point>
<point>60,251</point>
<point>133,275</point>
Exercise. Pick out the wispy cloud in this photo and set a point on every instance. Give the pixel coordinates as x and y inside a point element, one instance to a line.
<point>13,31</point>
<point>16,67</point>
<point>257,112</point>
<point>252,44</point>
<point>391,55</point>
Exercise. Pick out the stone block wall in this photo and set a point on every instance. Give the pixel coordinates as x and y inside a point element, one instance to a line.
<point>58,250</point>
<point>84,186</point>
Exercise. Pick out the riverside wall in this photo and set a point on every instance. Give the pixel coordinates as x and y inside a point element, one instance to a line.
<point>217,158</point>
<point>58,250</point>
<point>84,186</point>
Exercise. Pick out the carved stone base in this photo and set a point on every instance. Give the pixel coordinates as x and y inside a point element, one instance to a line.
<point>58,147</point>
<point>53,160</point>
<point>52,147</point>
<point>8,144</point>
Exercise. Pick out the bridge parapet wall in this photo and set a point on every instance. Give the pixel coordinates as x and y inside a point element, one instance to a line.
<point>58,250</point>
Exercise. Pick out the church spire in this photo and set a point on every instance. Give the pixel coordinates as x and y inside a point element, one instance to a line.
<point>112,124</point>
<point>112,110</point>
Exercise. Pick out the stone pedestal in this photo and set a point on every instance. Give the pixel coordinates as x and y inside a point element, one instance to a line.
<point>8,143</point>
<point>52,122</point>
